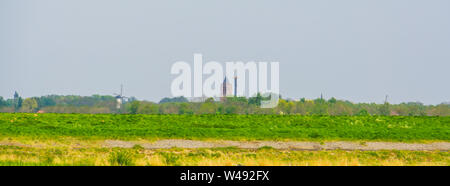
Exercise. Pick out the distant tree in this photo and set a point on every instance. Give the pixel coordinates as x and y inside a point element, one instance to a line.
<point>148,108</point>
<point>302,100</point>
<point>16,95</point>
<point>384,109</point>
<point>45,101</point>
<point>209,100</point>
<point>319,101</point>
<point>169,108</point>
<point>17,101</point>
<point>236,100</point>
<point>319,107</point>
<point>285,106</point>
<point>255,100</point>
<point>134,107</point>
<point>29,105</point>
<point>232,109</point>
<point>208,107</point>
<point>440,110</point>
<point>180,99</point>
<point>185,109</point>
<point>10,103</point>
<point>2,102</point>
<point>332,100</point>
<point>231,105</point>
<point>363,112</point>
<point>132,98</point>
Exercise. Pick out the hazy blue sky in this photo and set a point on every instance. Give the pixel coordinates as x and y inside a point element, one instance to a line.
<point>356,50</point>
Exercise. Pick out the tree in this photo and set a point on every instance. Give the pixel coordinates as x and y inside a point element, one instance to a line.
<point>2,102</point>
<point>285,106</point>
<point>319,101</point>
<point>332,100</point>
<point>231,109</point>
<point>384,109</point>
<point>16,95</point>
<point>208,107</point>
<point>148,108</point>
<point>174,100</point>
<point>29,105</point>
<point>363,112</point>
<point>45,101</point>
<point>255,100</point>
<point>17,101</point>
<point>302,100</point>
<point>242,100</point>
<point>185,109</point>
<point>134,107</point>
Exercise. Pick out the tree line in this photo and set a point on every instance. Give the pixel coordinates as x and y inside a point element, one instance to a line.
<point>59,104</point>
<point>230,105</point>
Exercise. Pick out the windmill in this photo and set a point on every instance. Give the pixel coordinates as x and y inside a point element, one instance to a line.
<point>120,98</point>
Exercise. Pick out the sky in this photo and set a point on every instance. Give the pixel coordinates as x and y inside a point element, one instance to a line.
<point>356,50</point>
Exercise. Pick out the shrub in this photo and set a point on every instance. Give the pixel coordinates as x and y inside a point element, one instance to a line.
<point>121,158</point>
<point>170,158</point>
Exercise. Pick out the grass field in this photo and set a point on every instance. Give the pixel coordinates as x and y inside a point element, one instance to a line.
<point>13,156</point>
<point>225,127</point>
<point>75,139</point>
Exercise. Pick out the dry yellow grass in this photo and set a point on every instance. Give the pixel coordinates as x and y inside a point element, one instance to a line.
<point>13,155</point>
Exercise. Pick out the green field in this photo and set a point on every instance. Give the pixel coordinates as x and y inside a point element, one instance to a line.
<point>225,127</point>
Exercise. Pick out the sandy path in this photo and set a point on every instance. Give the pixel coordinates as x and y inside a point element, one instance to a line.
<point>343,145</point>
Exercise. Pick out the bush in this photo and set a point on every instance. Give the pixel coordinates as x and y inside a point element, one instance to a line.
<point>363,112</point>
<point>170,158</point>
<point>121,158</point>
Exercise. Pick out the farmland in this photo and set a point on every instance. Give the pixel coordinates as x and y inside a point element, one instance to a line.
<point>123,139</point>
<point>225,127</point>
